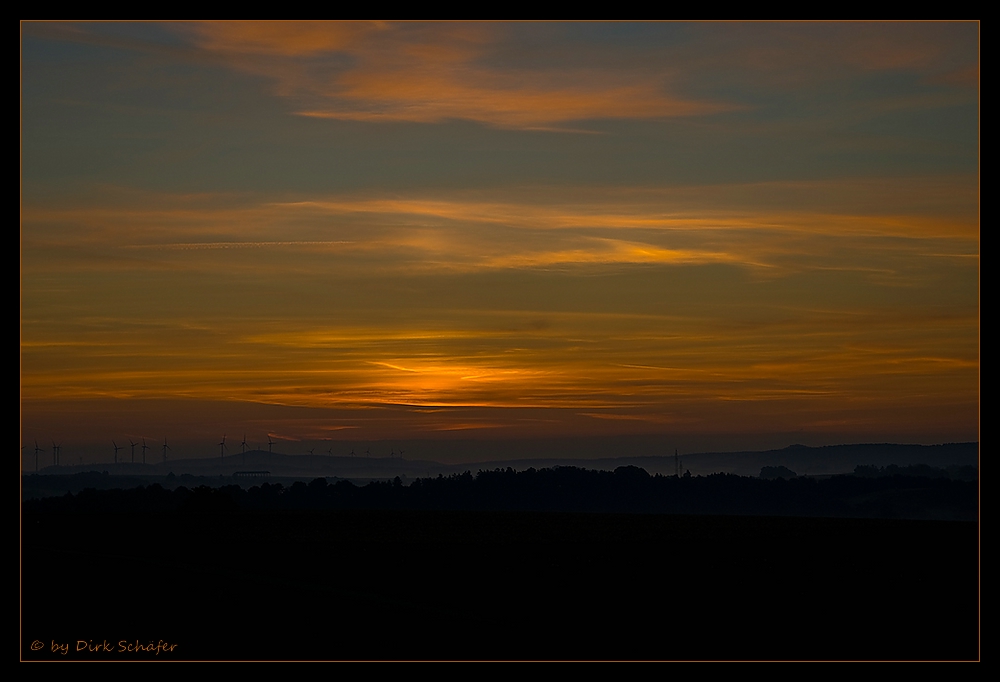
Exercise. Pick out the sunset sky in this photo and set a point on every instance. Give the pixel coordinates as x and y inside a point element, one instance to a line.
<point>721,234</point>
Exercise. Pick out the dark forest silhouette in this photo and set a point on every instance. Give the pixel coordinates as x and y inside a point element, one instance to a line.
<point>872,492</point>
<point>506,565</point>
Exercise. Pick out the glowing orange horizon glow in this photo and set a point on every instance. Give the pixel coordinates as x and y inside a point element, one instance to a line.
<point>358,230</point>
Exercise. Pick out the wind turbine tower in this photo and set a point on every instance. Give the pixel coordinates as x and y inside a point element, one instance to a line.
<point>165,448</point>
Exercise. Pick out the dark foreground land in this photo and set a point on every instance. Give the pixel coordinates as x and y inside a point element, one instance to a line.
<point>378,585</point>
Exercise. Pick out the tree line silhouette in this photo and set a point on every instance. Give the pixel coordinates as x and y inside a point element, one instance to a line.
<point>872,492</point>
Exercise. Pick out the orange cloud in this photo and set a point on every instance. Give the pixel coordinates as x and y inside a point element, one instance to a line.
<point>284,38</point>
<point>772,228</point>
<point>434,72</point>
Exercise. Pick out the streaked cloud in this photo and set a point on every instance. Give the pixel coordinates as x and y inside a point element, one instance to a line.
<point>437,72</point>
<point>768,227</point>
<point>431,73</point>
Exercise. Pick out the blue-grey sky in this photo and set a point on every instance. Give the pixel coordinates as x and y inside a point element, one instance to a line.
<point>366,231</point>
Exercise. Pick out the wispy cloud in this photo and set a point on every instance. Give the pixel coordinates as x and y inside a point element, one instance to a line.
<point>190,246</point>
<point>773,228</point>
<point>435,72</point>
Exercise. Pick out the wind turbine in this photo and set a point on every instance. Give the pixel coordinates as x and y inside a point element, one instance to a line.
<point>165,448</point>
<point>37,450</point>
<point>117,448</point>
<point>269,443</point>
<point>133,450</point>
<point>144,448</point>
<point>243,449</point>
<point>55,454</point>
<point>222,447</point>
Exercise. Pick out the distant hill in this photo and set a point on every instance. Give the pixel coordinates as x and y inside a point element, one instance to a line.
<point>804,460</point>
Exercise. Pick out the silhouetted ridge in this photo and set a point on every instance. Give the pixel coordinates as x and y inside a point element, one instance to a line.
<point>628,489</point>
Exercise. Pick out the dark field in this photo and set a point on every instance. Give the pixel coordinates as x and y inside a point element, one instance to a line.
<point>343,585</point>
